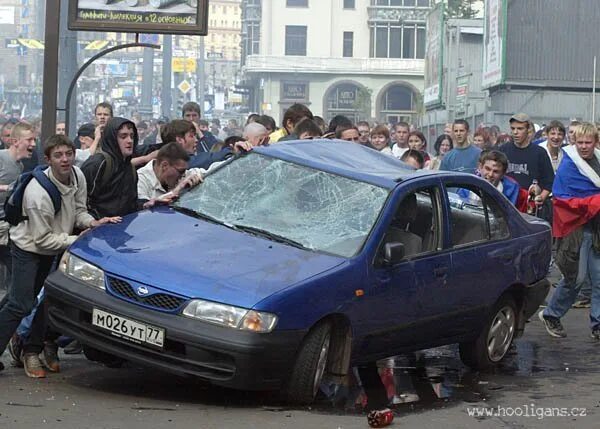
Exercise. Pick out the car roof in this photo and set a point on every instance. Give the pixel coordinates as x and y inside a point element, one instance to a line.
<point>343,158</point>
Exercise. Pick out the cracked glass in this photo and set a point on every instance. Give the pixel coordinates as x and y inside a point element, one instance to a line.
<point>311,208</point>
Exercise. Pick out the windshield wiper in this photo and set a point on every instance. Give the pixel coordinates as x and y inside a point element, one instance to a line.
<point>270,235</point>
<point>200,215</point>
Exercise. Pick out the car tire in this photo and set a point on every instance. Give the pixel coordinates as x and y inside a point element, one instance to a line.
<point>310,365</point>
<point>495,338</point>
<point>107,359</point>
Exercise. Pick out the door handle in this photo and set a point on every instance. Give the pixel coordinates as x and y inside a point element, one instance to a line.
<point>440,271</point>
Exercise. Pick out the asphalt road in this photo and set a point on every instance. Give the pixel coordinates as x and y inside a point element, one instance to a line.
<point>540,373</point>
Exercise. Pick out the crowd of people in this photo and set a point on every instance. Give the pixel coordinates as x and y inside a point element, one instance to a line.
<point>116,166</point>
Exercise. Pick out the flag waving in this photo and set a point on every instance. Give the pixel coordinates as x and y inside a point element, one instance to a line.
<point>576,192</point>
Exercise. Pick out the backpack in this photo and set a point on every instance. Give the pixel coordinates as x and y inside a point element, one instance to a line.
<point>13,205</point>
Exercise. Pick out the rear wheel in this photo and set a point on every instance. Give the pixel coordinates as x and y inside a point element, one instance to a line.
<point>310,365</point>
<point>495,338</point>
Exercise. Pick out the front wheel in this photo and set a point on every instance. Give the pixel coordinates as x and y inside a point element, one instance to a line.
<point>495,338</point>
<point>310,365</point>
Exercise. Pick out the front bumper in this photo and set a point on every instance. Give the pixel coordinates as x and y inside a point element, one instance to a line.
<point>224,356</point>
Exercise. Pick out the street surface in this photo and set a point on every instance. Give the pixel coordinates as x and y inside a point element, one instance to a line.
<point>541,372</point>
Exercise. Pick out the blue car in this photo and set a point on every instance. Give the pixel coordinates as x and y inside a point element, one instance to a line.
<point>294,262</point>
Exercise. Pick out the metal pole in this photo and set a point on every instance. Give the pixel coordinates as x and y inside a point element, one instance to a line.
<point>201,78</point>
<point>86,65</point>
<point>147,78</point>
<point>166,98</point>
<point>67,66</point>
<point>50,84</point>
<point>594,92</point>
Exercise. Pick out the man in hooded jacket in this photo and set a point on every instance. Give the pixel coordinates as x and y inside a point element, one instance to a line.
<point>110,176</point>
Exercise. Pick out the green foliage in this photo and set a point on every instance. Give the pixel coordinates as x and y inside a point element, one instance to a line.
<point>461,8</point>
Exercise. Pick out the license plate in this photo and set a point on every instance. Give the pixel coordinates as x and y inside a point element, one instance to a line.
<point>129,329</point>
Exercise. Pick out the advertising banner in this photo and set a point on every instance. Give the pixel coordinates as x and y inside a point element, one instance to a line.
<point>143,16</point>
<point>434,56</point>
<point>494,43</point>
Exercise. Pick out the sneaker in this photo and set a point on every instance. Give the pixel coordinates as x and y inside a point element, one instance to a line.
<point>15,348</point>
<point>51,356</point>
<point>73,348</point>
<point>33,365</point>
<point>596,333</point>
<point>552,325</point>
<point>582,303</point>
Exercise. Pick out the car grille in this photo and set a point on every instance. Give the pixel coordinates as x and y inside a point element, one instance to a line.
<point>162,301</point>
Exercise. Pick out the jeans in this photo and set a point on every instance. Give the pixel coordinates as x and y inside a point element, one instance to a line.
<point>5,266</point>
<point>586,291</point>
<point>29,273</point>
<point>25,326</point>
<point>589,270</point>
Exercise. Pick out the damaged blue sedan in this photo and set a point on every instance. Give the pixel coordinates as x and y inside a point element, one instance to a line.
<point>294,262</point>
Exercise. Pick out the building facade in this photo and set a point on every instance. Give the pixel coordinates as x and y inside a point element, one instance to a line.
<point>360,58</point>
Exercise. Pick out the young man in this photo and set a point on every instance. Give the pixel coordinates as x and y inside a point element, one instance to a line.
<point>555,136</point>
<point>102,113</point>
<point>168,173</point>
<point>364,131</point>
<point>528,162</point>
<point>577,227</point>
<point>349,134</point>
<point>111,178</point>
<point>292,116</point>
<point>492,167</point>
<point>191,112</point>
<point>22,145</point>
<point>401,132</point>
<point>35,243</point>
<point>88,138</point>
<point>306,129</point>
<point>464,156</point>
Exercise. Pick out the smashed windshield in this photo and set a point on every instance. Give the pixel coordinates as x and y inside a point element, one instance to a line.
<point>317,210</point>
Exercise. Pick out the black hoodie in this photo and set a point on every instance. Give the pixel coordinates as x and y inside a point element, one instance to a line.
<point>115,195</point>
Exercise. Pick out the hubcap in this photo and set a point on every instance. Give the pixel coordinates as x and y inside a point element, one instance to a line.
<point>501,333</point>
<point>321,363</point>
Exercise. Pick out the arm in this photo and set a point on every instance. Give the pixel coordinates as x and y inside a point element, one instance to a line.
<point>546,177</point>
<point>43,235</point>
<point>83,219</point>
<point>140,161</point>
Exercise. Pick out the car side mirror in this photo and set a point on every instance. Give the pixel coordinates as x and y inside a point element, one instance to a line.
<point>393,253</point>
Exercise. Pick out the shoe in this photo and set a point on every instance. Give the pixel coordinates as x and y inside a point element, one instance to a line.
<point>73,348</point>
<point>15,348</point>
<point>552,325</point>
<point>596,333</point>
<point>404,398</point>
<point>51,356</point>
<point>582,303</point>
<point>33,365</point>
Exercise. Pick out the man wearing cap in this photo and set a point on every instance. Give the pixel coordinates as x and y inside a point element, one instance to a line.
<point>88,136</point>
<point>528,162</point>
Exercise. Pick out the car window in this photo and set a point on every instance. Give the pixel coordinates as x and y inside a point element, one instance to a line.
<point>317,210</point>
<point>474,216</point>
<point>416,224</point>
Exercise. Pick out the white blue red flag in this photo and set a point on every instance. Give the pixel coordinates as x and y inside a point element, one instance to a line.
<point>576,193</point>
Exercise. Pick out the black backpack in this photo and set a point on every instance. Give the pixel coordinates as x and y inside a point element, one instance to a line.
<point>13,205</point>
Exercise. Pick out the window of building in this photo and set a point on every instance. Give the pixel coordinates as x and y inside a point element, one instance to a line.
<point>296,3</point>
<point>348,44</point>
<point>397,41</point>
<point>405,3</point>
<point>295,40</point>
<point>349,4</point>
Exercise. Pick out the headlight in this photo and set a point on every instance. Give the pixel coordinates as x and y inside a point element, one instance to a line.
<point>77,268</point>
<point>230,316</point>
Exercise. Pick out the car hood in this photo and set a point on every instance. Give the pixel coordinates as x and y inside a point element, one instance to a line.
<point>181,254</point>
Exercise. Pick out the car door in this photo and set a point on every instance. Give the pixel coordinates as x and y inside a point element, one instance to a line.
<point>400,292</point>
<point>482,256</point>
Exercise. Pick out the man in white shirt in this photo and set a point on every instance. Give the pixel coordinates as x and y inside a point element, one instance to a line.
<point>164,178</point>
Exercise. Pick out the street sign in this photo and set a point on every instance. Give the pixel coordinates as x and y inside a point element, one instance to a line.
<point>11,43</point>
<point>184,86</point>
<point>214,55</point>
<point>181,65</point>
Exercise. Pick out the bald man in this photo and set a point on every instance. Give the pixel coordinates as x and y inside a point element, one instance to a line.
<point>256,134</point>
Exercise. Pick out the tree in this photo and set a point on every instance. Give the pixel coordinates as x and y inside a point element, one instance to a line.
<point>461,8</point>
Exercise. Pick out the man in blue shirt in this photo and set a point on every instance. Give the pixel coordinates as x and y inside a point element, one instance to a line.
<point>464,157</point>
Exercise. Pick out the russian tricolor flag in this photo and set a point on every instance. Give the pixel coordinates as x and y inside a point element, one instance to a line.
<point>576,193</point>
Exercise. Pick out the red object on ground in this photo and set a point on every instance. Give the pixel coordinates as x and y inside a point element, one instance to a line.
<point>380,418</point>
